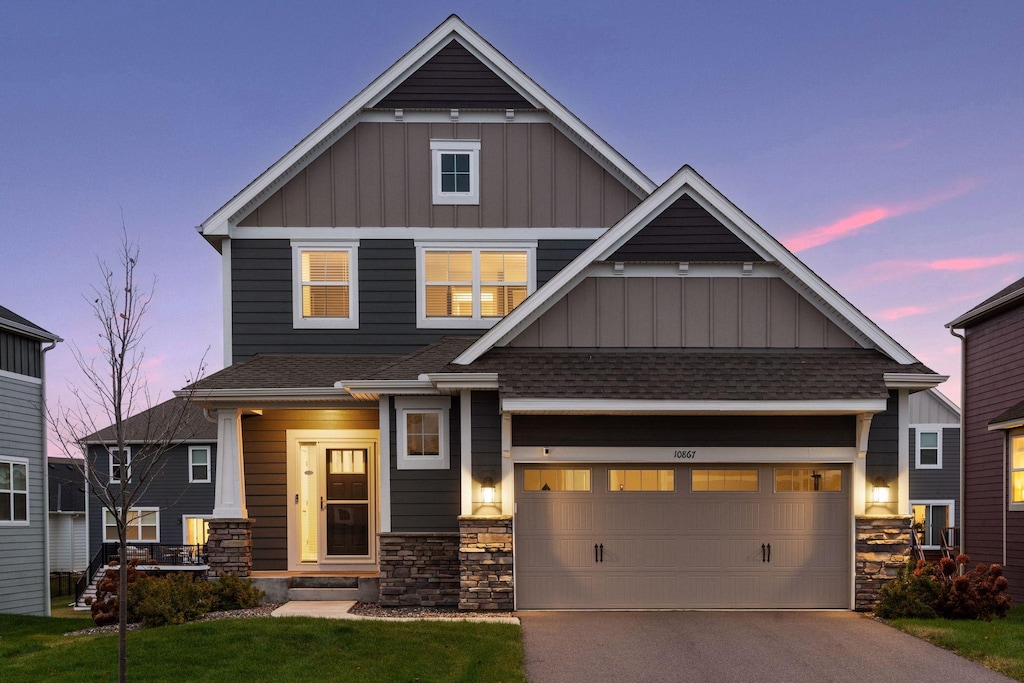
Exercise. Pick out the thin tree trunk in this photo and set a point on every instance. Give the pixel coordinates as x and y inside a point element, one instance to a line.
<point>122,610</point>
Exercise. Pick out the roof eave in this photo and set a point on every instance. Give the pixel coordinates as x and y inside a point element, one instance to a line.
<point>1006,424</point>
<point>912,380</point>
<point>979,312</point>
<point>569,406</point>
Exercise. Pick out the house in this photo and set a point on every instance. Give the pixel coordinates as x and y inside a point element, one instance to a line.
<point>69,537</point>
<point>24,565</point>
<point>474,352</point>
<point>935,471</point>
<point>993,423</point>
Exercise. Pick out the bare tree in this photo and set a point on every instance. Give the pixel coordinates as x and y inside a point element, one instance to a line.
<point>113,389</point>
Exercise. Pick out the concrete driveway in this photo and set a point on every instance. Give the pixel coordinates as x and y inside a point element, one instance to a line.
<point>720,647</point>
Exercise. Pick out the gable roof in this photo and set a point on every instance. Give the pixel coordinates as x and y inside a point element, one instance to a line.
<point>151,425</point>
<point>1006,297</point>
<point>688,182</point>
<point>12,322</point>
<point>390,82</point>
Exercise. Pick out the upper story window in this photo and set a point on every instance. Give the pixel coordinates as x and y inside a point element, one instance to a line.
<point>141,524</point>
<point>456,171</point>
<point>199,464</point>
<point>325,292</point>
<point>929,448</point>
<point>13,492</point>
<point>120,465</point>
<point>1017,469</point>
<point>463,286</point>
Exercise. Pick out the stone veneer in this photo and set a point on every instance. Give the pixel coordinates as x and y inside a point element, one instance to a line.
<point>485,556</point>
<point>883,546</point>
<point>419,569</point>
<point>229,547</point>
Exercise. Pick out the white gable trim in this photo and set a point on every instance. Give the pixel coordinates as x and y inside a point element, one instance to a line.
<point>685,181</point>
<point>344,119</point>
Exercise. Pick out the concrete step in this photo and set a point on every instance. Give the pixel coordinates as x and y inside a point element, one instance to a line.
<point>323,594</point>
<point>325,582</point>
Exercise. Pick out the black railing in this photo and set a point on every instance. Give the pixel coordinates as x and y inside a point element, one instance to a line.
<point>147,554</point>
<point>86,578</point>
<point>63,583</point>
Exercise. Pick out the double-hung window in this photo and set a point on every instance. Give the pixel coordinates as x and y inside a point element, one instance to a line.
<point>13,492</point>
<point>199,464</point>
<point>1017,469</point>
<point>120,465</point>
<point>929,448</point>
<point>456,171</point>
<point>142,525</point>
<point>423,432</point>
<point>325,288</point>
<point>472,287</point>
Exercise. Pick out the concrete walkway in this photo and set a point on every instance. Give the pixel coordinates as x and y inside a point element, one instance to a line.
<point>726,647</point>
<point>325,609</point>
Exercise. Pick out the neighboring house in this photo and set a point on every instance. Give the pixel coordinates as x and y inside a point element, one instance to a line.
<point>69,537</point>
<point>993,410</point>
<point>178,498</point>
<point>453,306</point>
<point>24,568</point>
<point>934,469</point>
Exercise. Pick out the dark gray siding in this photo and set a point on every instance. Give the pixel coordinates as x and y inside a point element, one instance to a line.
<point>20,355</point>
<point>486,436</point>
<point>938,484</point>
<point>673,430</point>
<point>169,489</point>
<point>23,548</point>
<point>261,305</point>
<point>883,447</point>
<point>427,500</point>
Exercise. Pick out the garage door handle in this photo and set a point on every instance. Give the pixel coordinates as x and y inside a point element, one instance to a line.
<point>762,553</point>
<point>602,551</point>
<point>769,553</point>
<point>595,553</point>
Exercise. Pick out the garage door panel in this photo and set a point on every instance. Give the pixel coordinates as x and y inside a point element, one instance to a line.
<point>558,590</point>
<point>543,515</point>
<point>708,513</point>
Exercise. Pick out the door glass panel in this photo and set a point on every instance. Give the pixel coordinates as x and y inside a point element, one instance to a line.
<point>794,480</point>
<point>348,514</point>
<point>347,529</point>
<point>309,505</point>
<point>723,480</point>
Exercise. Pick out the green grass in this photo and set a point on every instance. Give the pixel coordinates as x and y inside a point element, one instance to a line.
<point>59,607</point>
<point>251,650</point>
<point>998,644</point>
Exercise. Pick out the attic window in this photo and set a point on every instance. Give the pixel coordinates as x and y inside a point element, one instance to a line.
<point>456,171</point>
<point>325,293</point>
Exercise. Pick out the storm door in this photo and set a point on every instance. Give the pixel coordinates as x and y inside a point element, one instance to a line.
<point>347,503</point>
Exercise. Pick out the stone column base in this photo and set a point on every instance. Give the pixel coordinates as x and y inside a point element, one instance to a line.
<point>229,547</point>
<point>485,558</point>
<point>883,546</point>
<point>419,569</point>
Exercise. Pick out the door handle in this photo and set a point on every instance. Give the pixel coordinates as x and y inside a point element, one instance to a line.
<point>762,553</point>
<point>322,503</point>
<point>602,552</point>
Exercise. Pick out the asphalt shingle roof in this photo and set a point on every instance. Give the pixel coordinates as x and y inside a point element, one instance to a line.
<point>289,371</point>
<point>979,310</point>
<point>7,315</point>
<point>1014,412</point>
<point>149,425</point>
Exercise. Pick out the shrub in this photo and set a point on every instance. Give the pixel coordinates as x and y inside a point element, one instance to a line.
<point>231,592</point>
<point>976,594</point>
<point>105,605</point>
<point>911,594</point>
<point>172,599</point>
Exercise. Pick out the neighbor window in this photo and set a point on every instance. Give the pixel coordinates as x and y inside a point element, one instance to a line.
<point>931,519</point>
<point>142,524</point>
<point>196,530</point>
<point>324,289</point>
<point>13,492</point>
<point>556,479</point>
<point>641,480</point>
<point>456,171</point>
<point>472,287</point>
<point>929,449</point>
<point>723,480</point>
<point>1017,469</point>
<point>796,480</point>
<point>120,467</point>
<point>422,432</point>
<point>199,464</point>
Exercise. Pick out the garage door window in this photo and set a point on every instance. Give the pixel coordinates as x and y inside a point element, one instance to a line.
<point>641,480</point>
<point>723,480</point>
<point>789,480</point>
<point>561,479</point>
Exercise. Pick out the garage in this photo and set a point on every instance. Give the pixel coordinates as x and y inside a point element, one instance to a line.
<point>617,536</point>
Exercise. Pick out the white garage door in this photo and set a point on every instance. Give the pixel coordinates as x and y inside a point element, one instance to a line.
<point>662,536</point>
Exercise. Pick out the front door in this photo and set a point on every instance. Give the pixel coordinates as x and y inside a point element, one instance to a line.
<point>332,487</point>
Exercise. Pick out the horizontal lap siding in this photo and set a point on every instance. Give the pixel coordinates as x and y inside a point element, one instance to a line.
<point>23,548</point>
<point>938,484</point>
<point>486,435</point>
<point>993,383</point>
<point>883,458</point>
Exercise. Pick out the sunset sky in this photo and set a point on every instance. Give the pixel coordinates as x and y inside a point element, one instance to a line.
<point>882,142</point>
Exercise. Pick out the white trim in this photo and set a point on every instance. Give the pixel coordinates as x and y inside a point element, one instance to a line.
<point>639,406</point>
<point>911,380</point>
<point>947,502</point>
<point>227,318</point>
<point>431,116</point>
<point>929,429</point>
<point>140,509</point>
<point>466,450</point>
<point>1006,424</point>
<point>14,460</point>
<point>436,405</point>
<point>456,235</point>
<point>684,270</point>
<point>979,311</point>
<point>1008,471</point>
<point>476,321</point>
<point>35,333</point>
<point>689,182</point>
<point>508,470</point>
<point>903,454</point>
<point>229,486</point>
<point>384,458</point>
<point>458,147</point>
<point>110,464</point>
<point>349,322</point>
<point>18,377</point>
<point>683,454</point>
<point>450,381</point>
<point>345,118</point>
<point>192,464</point>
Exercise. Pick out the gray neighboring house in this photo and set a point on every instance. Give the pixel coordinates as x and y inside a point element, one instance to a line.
<point>69,538</point>
<point>24,565</point>
<point>935,469</point>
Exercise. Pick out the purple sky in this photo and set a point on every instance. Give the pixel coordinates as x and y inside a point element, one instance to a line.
<point>883,142</point>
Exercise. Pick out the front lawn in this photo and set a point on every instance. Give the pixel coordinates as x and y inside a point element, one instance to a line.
<point>250,650</point>
<point>997,644</point>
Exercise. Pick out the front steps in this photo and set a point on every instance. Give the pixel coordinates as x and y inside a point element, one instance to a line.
<point>312,587</point>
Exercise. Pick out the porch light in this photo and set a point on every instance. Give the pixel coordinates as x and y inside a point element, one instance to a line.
<point>487,489</point>
<point>881,492</point>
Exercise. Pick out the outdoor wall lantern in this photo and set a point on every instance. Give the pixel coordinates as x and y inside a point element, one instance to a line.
<point>881,492</point>
<point>487,489</point>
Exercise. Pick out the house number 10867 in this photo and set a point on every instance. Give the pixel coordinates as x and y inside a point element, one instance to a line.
<point>685,455</point>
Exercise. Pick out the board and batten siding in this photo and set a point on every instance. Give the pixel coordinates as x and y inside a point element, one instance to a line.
<point>926,409</point>
<point>994,357</point>
<point>261,299</point>
<point>662,312</point>
<point>379,175</point>
<point>20,355</point>
<point>937,483</point>
<point>23,548</point>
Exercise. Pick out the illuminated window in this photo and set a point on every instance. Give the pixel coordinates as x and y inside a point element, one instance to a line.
<point>422,432</point>
<point>929,449</point>
<point>142,525</point>
<point>120,465</point>
<point>456,171</point>
<point>472,287</point>
<point>1017,469</point>
<point>723,480</point>
<point>641,480</point>
<point>324,290</point>
<point>796,480</point>
<point>196,530</point>
<point>199,464</point>
<point>556,479</point>
<point>931,519</point>
<point>13,492</point>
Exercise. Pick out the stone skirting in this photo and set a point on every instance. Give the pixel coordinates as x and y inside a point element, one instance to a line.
<point>229,547</point>
<point>419,569</point>
<point>883,546</point>
<point>485,556</point>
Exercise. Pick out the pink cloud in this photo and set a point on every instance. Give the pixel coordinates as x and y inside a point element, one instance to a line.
<point>847,225</point>
<point>975,263</point>
<point>884,271</point>
<point>902,312</point>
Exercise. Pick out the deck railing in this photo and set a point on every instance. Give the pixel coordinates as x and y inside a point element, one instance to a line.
<point>148,554</point>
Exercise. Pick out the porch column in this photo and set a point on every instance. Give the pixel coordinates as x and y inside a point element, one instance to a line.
<point>229,495</point>
<point>466,449</point>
